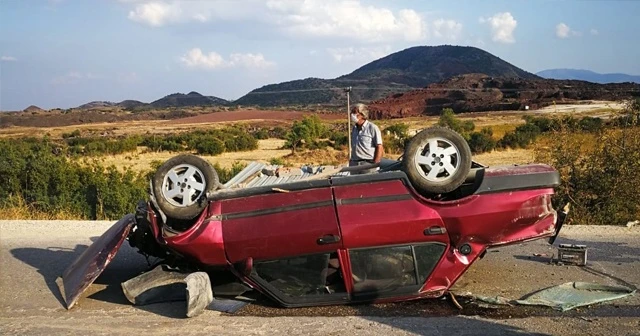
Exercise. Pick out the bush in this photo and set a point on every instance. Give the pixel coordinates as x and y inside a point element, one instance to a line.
<point>277,161</point>
<point>278,133</point>
<point>521,137</point>
<point>102,145</point>
<point>49,182</point>
<point>396,137</point>
<point>589,124</point>
<point>73,134</point>
<point>449,119</point>
<point>399,130</point>
<point>261,134</point>
<point>209,146</point>
<point>225,174</point>
<point>482,141</point>
<point>601,181</point>
<point>340,140</point>
<point>600,178</point>
<point>544,124</point>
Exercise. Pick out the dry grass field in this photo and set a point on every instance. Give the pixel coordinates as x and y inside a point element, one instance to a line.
<point>500,122</point>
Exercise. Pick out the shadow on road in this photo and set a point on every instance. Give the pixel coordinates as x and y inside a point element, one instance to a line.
<point>51,262</point>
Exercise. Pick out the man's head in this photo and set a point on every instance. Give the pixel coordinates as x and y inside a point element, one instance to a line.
<point>359,113</point>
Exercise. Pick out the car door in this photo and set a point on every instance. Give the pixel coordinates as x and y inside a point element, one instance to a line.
<point>393,240</point>
<point>293,240</point>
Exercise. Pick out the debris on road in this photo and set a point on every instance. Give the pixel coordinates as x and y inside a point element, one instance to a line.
<point>562,297</point>
<point>572,254</point>
<point>575,294</point>
<point>632,224</point>
<point>162,284</point>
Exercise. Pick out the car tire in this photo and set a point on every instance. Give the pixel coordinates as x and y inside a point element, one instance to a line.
<point>181,185</point>
<point>437,161</point>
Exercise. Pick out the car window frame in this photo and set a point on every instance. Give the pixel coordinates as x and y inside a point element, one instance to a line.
<point>401,291</point>
<point>289,301</point>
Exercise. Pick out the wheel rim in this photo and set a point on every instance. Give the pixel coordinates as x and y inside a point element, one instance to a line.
<point>437,160</point>
<point>183,185</point>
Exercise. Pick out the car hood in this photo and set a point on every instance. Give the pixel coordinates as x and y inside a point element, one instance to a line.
<point>90,264</point>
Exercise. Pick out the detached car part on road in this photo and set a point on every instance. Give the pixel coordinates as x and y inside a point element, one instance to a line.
<point>407,231</point>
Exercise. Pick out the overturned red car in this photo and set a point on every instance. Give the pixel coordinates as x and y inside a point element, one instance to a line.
<point>407,231</point>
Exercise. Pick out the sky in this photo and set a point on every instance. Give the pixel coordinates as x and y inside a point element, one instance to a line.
<point>64,53</point>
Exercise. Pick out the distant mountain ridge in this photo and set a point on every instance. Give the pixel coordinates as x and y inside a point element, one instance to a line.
<point>404,70</point>
<point>588,75</point>
<point>173,100</point>
<point>400,72</point>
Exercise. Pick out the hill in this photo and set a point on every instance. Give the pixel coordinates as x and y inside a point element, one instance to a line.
<point>405,70</point>
<point>479,92</point>
<point>96,104</point>
<point>173,100</point>
<point>33,109</point>
<point>129,104</point>
<point>589,76</point>
<point>190,99</point>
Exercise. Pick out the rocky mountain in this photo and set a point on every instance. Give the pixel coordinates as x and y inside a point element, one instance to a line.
<point>479,92</point>
<point>190,99</point>
<point>589,76</point>
<point>405,70</point>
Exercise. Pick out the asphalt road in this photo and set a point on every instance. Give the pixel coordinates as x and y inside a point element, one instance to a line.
<point>34,253</point>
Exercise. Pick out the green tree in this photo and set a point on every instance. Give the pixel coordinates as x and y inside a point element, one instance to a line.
<point>306,131</point>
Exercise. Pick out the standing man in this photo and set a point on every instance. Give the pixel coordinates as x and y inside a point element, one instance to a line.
<point>366,139</point>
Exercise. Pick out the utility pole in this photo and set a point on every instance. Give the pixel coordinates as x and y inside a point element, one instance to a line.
<point>348,90</point>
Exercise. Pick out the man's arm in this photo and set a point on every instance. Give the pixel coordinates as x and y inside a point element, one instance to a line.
<point>378,155</point>
<point>379,148</point>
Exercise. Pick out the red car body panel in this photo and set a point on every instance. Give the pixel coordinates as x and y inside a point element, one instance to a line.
<point>272,226</point>
<point>384,213</point>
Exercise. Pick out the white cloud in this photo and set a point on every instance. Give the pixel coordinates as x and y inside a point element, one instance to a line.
<point>195,58</point>
<point>255,61</point>
<point>502,27</point>
<point>360,55</point>
<point>347,19</point>
<point>594,31</point>
<point>302,19</point>
<point>563,31</point>
<point>447,29</point>
<point>156,14</point>
<point>8,59</point>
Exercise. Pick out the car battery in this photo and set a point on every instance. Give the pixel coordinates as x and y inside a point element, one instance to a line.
<point>572,254</point>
